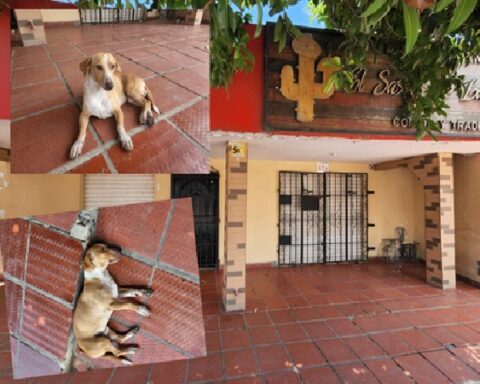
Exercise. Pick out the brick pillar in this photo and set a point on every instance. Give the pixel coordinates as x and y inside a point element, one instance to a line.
<point>436,174</point>
<point>235,226</point>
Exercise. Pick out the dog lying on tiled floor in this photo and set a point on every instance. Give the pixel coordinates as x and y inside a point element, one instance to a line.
<point>105,90</point>
<point>99,299</point>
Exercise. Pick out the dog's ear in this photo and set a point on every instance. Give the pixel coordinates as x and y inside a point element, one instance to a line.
<point>88,259</point>
<point>117,66</point>
<point>85,65</point>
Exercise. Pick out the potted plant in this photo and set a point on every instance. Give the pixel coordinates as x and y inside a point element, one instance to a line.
<point>189,11</point>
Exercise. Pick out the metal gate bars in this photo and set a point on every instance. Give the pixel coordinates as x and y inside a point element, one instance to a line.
<point>203,189</point>
<point>323,217</point>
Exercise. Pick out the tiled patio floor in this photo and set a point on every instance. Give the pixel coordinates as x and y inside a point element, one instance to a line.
<point>365,323</point>
<point>47,86</point>
<point>42,273</point>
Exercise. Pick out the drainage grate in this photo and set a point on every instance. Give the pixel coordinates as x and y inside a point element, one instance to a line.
<point>323,217</point>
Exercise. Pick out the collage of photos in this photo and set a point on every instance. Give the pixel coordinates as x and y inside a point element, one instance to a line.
<point>244,192</point>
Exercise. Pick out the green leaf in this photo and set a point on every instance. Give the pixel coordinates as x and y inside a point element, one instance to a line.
<point>332,62</point>
<point>277,30</point>
<point>442,4</point>
<point>258,30</point>
<point>462,11</point>
<point>412,26</point>
<point>374,7</point>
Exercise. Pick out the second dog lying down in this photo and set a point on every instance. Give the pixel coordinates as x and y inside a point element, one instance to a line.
<point>99,299</point>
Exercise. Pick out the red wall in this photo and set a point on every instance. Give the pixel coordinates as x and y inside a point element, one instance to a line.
<point>240,107</point>
<point>5,63</point>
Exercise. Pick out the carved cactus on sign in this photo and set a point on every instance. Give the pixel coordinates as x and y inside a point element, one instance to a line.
<point>306,90</point>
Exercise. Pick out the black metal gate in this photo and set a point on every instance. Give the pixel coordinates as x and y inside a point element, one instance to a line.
<point>203,189</point>
<point>323,217</point>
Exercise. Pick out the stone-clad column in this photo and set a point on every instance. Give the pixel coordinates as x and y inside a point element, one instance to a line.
<point>235,226</point>
<point>436,174</point>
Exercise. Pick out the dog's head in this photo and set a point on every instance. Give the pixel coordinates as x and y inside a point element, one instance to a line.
<point>101,67</point>
<point>100,256</point>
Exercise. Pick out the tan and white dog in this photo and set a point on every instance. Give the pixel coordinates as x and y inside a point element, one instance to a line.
<point>99,299</point>
<point>105,90</point>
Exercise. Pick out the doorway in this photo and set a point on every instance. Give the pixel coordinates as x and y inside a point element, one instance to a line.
<point>204,191</point>
<point>323,217</point>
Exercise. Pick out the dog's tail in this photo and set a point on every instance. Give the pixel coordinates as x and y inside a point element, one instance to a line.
<point>149,97</point>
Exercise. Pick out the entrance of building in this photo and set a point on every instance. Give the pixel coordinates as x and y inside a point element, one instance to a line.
<point>323,217</point>
<point>203,189</point>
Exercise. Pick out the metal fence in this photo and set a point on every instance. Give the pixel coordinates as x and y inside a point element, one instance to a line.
<point>203,189</point>
<point>323,217</point>
<point>112,15</point>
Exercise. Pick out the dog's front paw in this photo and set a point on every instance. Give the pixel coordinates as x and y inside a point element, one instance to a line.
<point>125,361</point>
<point>126,142</point>
<point>76,149</point>
<point>142,310</point>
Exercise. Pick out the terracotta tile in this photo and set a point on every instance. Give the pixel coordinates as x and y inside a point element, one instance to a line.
<point>305,314</point>
<point>152,351</point>
<point>63,221</point>
<point>13,243</point>
<point>282,316</point>
<point>46,323</point>
<point>364,347</point>
<point>257,318</point>
<point>134,374</point>
<point>54,261</point>
<point>245,380</point>
<point>14,294</point>
<point>234,338</point>
<point>328,312</point>
<point>451,366</point>
<point>392,344</point>
<point>292,332</point>
<point>469,355</point>
<point>320,375</point>
<point>64,378</point>
<point>34,364</point>
<point>314,299</point>
<point>175,371</point>
<point>336,350</point>
<point>107,128</point>
<point>231,321</point>
<point>176,313</point>
<point>443,336</point>
<point>195,121</point>
<point>212,340</point>
<point>179,60</point>
<point>158,64</point>
<point>95,165</point>
<point>67,55</point>
<point>240,362</point>
<point>284,377</point>
<point>137,53</point>
<point>469,335</point>
<point>179,247</point>
<point>136,228</point>
<point>368,323</point>
<point>264,335</point>
<point>273,357</point>
<point>386,371</point>
<point>344,327</point>
<point>71,67</point>
<point>42,142</point>
<point>169,95</point>
<point>355,374</point>
<point>418,340</point>
<point>97,376</point>
<point>305,354</point>
<point>318,330</point>
<point>37,74</point>
<point>37,97</point>
<point>190,80</point>
<point>207,368</point>
<point>160,149</point>
<point>421,370</point>
<point>29,61</point>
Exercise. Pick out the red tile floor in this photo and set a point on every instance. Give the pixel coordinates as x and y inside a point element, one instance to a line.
<point>366,323</point>
<point>47,87</point>
<point>42,265</point>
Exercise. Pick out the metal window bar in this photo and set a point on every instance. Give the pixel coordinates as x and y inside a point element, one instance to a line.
<point>323,218</point>
<point>204,191</point>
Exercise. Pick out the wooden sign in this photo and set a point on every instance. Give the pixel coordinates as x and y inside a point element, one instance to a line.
<point>294,80</point>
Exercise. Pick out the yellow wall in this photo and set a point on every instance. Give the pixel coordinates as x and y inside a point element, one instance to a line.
<point>467,215</point>
<point>398,200</point>
<point>60,15</point>
<point>162,187</point>
<point>22,195</point>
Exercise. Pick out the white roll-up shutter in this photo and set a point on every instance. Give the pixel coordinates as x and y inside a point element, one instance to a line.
<point>108,190</point>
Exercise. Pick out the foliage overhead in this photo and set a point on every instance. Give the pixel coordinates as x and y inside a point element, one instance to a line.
<point>425,47</point>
